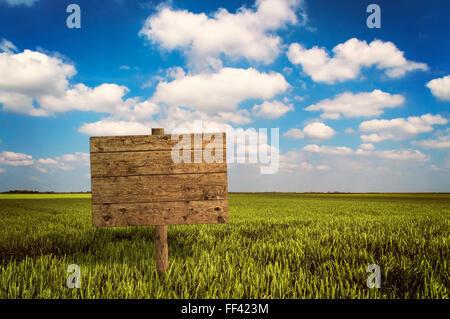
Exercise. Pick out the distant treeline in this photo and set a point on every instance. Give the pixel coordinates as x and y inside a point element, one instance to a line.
<point>18,191</point>
<point>355,193</point>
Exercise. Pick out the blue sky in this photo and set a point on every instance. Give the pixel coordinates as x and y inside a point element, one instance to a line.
<point>358,109</point>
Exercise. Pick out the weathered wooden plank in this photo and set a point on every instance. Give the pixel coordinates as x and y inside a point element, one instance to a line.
<point>135,181</point>
<point>154,188</point>
<point>151,162</point>
<point>160,213</point>
<point>99,144</point>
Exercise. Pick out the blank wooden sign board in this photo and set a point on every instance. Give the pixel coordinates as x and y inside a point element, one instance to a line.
<point>159,180</point>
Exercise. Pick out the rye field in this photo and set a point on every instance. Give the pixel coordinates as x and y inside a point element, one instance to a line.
<point>275,246</point>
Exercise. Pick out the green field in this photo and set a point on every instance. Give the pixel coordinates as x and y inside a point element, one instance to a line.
<point>43,196</point>
<point>275,246</point>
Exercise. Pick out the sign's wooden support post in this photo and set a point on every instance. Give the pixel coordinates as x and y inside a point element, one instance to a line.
<point>162,248</point>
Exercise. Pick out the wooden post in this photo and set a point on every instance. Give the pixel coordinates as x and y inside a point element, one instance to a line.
<point>162,248</point>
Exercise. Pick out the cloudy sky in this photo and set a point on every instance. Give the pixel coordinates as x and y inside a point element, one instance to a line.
<point>358,109</point>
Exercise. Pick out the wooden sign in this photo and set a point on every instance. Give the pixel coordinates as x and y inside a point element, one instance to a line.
<point>159,180</point>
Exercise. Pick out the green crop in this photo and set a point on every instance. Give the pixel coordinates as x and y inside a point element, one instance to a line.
<point>275,246</point>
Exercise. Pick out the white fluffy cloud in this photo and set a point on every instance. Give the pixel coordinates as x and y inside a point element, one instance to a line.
<point>27,76</point>
<point>442,141</point>
<point>336,159</point>
<point>324,149</point>
<point>105,98</point>
<point>37,84</point>
<point>248,33</point>
<point>394,155</point>
<point>294,160</point>
<point>77,157</point>
<point>27,3</point>
<point>294,133</point>
<point>34,72</point>
<point>316,131</point>
<point>369,149</point>
<point>171,119</point>
<point>349,57</point>
<point>440,88</point>
<point>15,159</point>
<point>221,91</point>
<point>237,117</point>
<point>373,138</point>
<point>357,105</point>
<point>7,46</point>
<point>47,161</point>
<point>365,149</point>
<point>108,127</point>
<point>272,109</point>
<point>399,128</point>
<point>403,155</point>
<point>66,162</point>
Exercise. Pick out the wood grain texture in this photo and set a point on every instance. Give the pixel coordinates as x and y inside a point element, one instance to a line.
<point>100,144</point>
<point>162,249</point>
<point>137,181</point>
<point>159,188</point>
<point>150,162</point>
<point>160,213</point>
<point>157,131</point>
